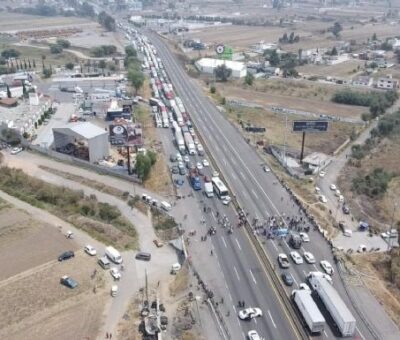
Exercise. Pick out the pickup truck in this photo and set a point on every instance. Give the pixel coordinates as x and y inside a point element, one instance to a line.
<point>283,261</point>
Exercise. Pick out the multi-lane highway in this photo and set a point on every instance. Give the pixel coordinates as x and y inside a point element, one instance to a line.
<point>258,193</point>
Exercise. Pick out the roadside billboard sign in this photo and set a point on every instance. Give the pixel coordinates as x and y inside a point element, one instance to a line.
<point>310,126</point>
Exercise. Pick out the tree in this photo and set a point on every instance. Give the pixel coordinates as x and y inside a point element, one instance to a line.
<point>334,51</point>
<point>274,58</point>
<point>143,166</point>
<point>69,66</point>
<point>374,38</point>
<point>24,91</point>
<point>107,21</point>
<point>10,53</point>
<point>136,77</point>
<point>56,49</point>
<point>47,72</point>
<point>63,43</point>
<point>8,92</point>
<point>34,63</point>
<point>249,79</point>
<point>222,72</point>
<point>130,51</point>
<point>291,38</point>
<point>102,65</point>
<point>336,29</point>
<point>213,89</point>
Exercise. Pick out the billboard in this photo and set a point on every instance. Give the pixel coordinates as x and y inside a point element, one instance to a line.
<point>310,126</point>
<point>126,134</point>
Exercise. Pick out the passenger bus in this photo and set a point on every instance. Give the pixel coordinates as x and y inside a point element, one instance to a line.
<point>219,188</point>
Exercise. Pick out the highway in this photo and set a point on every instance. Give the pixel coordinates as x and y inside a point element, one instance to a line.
<point>258,193</point>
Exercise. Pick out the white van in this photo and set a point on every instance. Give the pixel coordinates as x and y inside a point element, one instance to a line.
<point>166,206</point>
<point>114,255</point>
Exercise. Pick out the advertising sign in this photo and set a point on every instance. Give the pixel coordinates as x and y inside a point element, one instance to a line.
<point>310,126</point>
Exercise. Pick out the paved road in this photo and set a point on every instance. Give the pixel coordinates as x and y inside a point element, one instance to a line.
<point>254,189</point>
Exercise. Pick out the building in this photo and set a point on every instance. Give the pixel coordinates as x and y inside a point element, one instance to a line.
<point>387,83</point>
<point>261,47</point>
<point>336,59</point>
<point>208,66</point>
<point>115,111</point>
<point>365,81</point>
<point>82,140</point>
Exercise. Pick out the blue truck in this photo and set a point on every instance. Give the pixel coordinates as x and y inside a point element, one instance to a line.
<point>195,180</point>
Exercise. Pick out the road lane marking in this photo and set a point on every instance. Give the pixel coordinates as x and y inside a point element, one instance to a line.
<point>304,272</point>
<point>225,161</point>
<point>272,320</point>
<point>255,320</point>
<point>273,243</point>
<point>233,175</point>
<point>252,276</point>
<point>238,244</point>
<point>236,272</point>
<point>295,281</point>
<point>254,193</point>
<point>358,330</point>
<point>241,174</point>
<point>326,334</point>
<point>223,240</point>
<point>315,267</point>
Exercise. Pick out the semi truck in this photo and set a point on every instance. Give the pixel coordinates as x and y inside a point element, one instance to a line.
<point>180,142</point>
<point>309,310</point>
<point>189,143</point>
<point>114,255</point>
<point>345,321</point>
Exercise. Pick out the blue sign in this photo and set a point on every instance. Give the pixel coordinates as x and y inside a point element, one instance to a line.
<point>310,126</point>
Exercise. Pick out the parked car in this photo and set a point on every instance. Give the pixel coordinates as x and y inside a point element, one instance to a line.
<point>253,335</point>
<point>304,236</point>
<point>322,174</point>
<point>322,199</point>
<point>68,282</point>
<point>172,158</point>
<point>15,151</point>
<point>296,257</point>
<point>309,257</point>
<point>266,169</point>
<point>199,166</point>
<point>90,250</point>
<point>283,261</point>
<point>250,313</point>
<point>175,170</point>
<point>332,187</point>
<point>338,193</point>
<point>186,159</point>
<point>66,255</point>
<point>390,234</point>
<point>205,162</point>
<point>327,267</point>
<point>215,174</point>
<point>346,209</point>
<point>287,279</point>
<point>182,171</point>
<point>115,273</point>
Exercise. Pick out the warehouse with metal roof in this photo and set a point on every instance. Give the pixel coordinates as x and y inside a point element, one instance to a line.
<point>82,140</point>
<point>208,65</point>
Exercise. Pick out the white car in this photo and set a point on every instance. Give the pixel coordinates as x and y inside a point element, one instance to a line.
<point>115,273</point>
<point>186,159</point>
<point>333,187</point>
<point>14,151</point>
<point>196,141</point>
<point>253,335</point>
<point>250,313</point>
<point>341,198</point>
<point>304,236</point>
<point>317,190</point>
<point>390,234</point>
<point>179,157</point>
<point>283,261</point>
<point>215,174</point>
<point>309,257</point>
<point>199,166</point>
<point>327,267</point>
<point>322,199</point>
<point>322,174</point>
<point>266,169</point>
<point>205,162</point>
<point>296,257</point>
<point>90,250</point>
<point>304,286</point>
<point>337,193</point>
<point>191,130</point>
<point>226,200</point>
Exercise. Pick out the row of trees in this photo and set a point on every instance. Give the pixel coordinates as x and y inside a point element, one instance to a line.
<point>144,162</point>
<point>58,47</point>
<point>103,51</point>
<point>107,21</point>
<point>291,39</point>
<point>133,65</point>
<point>378,102</point>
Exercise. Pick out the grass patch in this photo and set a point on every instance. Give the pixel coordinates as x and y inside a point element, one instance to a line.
<point>102,221</point>
<point>165,226</point>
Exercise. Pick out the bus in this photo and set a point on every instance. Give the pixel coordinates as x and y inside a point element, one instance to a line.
<point>220,188</point>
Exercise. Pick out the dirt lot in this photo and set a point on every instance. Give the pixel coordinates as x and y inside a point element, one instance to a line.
<point>345,70</point>
<point>309,102</point>
<point>34,304</point>
<point>11,22</point>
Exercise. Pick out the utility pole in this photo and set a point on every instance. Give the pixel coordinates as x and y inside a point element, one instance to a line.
<point>391,226</point>
<point>284,142</point>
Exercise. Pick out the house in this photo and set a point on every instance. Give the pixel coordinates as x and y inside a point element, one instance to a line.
<point>336,59</point>
<point>272,70</point>
<point>208,66</point>
<point>261,47</point>
<point>387,83</point>
<point>365,81</point>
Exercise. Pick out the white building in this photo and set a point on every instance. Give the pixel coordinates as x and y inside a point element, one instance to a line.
<point>208,65</point>
<point>261,47</point>
<point>363,81</point>
<point>387,83</point>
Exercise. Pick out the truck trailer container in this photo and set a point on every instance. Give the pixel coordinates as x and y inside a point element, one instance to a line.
<point>309,310</point>
<point>189,143</point>
<point>180,143</point>
<point>342,316</point>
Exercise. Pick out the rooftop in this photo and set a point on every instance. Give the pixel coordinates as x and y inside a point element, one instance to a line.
<point>85,130</point>
<point>233,65</point>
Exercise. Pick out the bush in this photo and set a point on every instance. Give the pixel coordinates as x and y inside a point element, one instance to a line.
<point>56,49</point>
<point>47,73</point>
<point>213,89</point>
<point>10,53</point>
<point>108,212</point>
<point>69,66</point>
<point>63,43</point>
<point>374,184</point>
<point>103,51</point>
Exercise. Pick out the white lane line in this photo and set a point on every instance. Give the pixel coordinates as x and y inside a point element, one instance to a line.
<point>254,193</point>
<point>224,160</point>
<point>255,321</point>
<point>233,175</point>
<point>304,272</point>
<point>315,267</point>
<point>241,174</point>
<point>273,243</point>
<point>238,244</point>
<point>272,320</point>
<point>252,276</point>
<point>223,240</point>
<point>236,272</point>
<point>326,334</point>
<point>358,330</point>
<point>295,281</point>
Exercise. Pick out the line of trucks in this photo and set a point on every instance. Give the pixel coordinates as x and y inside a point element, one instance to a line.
<point>330,298</point>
